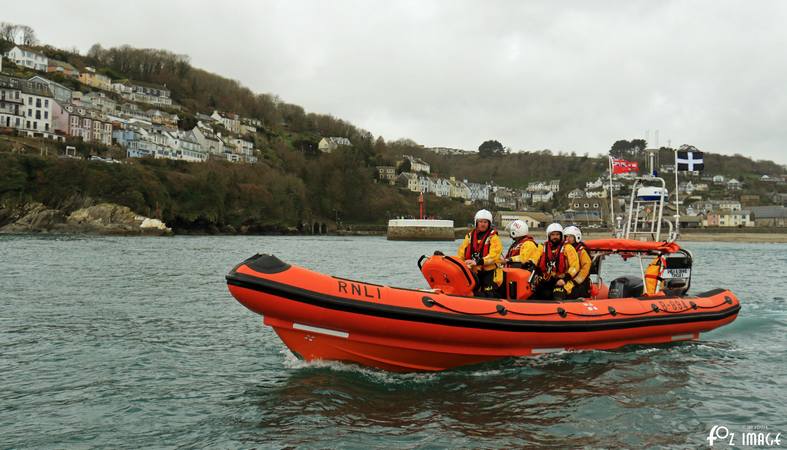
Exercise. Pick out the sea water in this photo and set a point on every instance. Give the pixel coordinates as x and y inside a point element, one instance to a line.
<point>122,342</point>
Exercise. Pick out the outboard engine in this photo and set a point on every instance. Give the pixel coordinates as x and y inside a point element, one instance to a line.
<point>624,287</point>
<point>677,273</point>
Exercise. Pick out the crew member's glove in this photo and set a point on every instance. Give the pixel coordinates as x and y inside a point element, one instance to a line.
<point>480,260</point>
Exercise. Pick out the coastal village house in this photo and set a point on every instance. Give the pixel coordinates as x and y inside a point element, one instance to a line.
<point>230,121</point>
<point>386,174</point>
<point>137,91</point>
<point>417,165</point>
<point>576,193</point>
<point>769,216</point>
<point>27,106</point>
<point>62,68</point>
<point>728,218</point>
<point>88,124</point>
<point>27,57</point>
<point>208,140</point>
<point>533,219</point>
<point>90,78</point>
<point>459,189</point>
<point>479,192</point>
<point>59,92</point>
<point>408,180</point>
<point>329,144</point>
<point>543,197</point>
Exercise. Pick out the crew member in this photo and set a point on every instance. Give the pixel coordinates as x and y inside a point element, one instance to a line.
<point>558,265</point>
<point>481,251</point>
<point>524,251</point>
<point>581,280</point>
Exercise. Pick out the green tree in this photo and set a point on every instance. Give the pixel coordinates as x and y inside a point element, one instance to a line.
<point>490,148</point>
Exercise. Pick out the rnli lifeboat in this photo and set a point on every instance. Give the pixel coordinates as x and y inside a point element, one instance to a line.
<point>324,317</point>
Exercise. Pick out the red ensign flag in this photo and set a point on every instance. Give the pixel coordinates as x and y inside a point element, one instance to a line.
<point>623,166</point>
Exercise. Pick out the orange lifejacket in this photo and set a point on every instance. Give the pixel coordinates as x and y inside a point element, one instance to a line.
<point>653,275</point>
<point>479,244</point>
<point>552,259</point>
<point>516,247</point>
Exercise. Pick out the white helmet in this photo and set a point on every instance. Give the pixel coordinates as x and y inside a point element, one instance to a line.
<point>573,231</point>
<point>483,215</point>
<point>554,227</point>
<point>517,229</point>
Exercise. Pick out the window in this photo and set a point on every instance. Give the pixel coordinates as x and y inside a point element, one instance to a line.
<point>29,113</point>
<point>46,126</point>
<point>46,114</point>
<point>46,102</point>
<point>29,100</point>
<point>38,114</point>
<point>35,125</point>
<point>38,103</point>
<point>28,125</point>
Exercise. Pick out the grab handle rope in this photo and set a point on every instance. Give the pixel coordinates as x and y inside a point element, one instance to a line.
<point>502,310</point>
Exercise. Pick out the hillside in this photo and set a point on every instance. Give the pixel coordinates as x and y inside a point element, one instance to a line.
<point>293,182</point>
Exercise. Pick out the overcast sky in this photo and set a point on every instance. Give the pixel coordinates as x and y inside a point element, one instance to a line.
<point>571,76</point>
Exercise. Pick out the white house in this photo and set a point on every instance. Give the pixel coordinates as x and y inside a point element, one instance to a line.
<point>244,148</point>
<point>208,140</point>
<point>576,193</point>
<point>734,185</point>
<point>59,92</point>
<point>459,189</point>
<point>536,186</point>
<point>596,194</point>
<point>408,180</point>
<point>423,184</point>
<point>553,185</point>
<point>417,164</point>
<point>594,184</point>
<point>478,192</point>
<point>329,144</point>
<point>440,187</point>
<point>230,121</point>
<point>27,57</point>
<point>543,197</point>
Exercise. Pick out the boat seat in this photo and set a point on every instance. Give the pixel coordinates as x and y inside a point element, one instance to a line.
<point>448,274</point>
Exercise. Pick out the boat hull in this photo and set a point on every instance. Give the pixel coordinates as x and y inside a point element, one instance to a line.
<point>322,317</point>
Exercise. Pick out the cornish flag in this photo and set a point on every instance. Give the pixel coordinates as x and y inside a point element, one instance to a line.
<point>690,159</point>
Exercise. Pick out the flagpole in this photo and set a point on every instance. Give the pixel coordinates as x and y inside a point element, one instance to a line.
<point>611,200</point>
<point>677,203</point>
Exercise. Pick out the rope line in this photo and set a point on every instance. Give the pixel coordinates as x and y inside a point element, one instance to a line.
<point>502,310</point>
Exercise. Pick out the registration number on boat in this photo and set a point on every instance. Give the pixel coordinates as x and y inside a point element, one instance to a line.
<point>676,273</point>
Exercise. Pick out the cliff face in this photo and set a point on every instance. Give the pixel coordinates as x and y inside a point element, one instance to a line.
<point>102,218</point>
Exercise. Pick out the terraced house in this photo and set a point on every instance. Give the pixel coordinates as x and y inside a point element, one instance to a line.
<point>27,106</point>
<point>88,124</point>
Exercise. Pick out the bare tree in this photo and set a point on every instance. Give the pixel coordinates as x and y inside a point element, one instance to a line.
<point>28,35</point>
<point>8,31</point>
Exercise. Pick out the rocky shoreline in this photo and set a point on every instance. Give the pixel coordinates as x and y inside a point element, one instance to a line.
<point>100,219</point>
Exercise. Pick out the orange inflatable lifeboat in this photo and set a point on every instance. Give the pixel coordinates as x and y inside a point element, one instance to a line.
<point>319,316</point>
